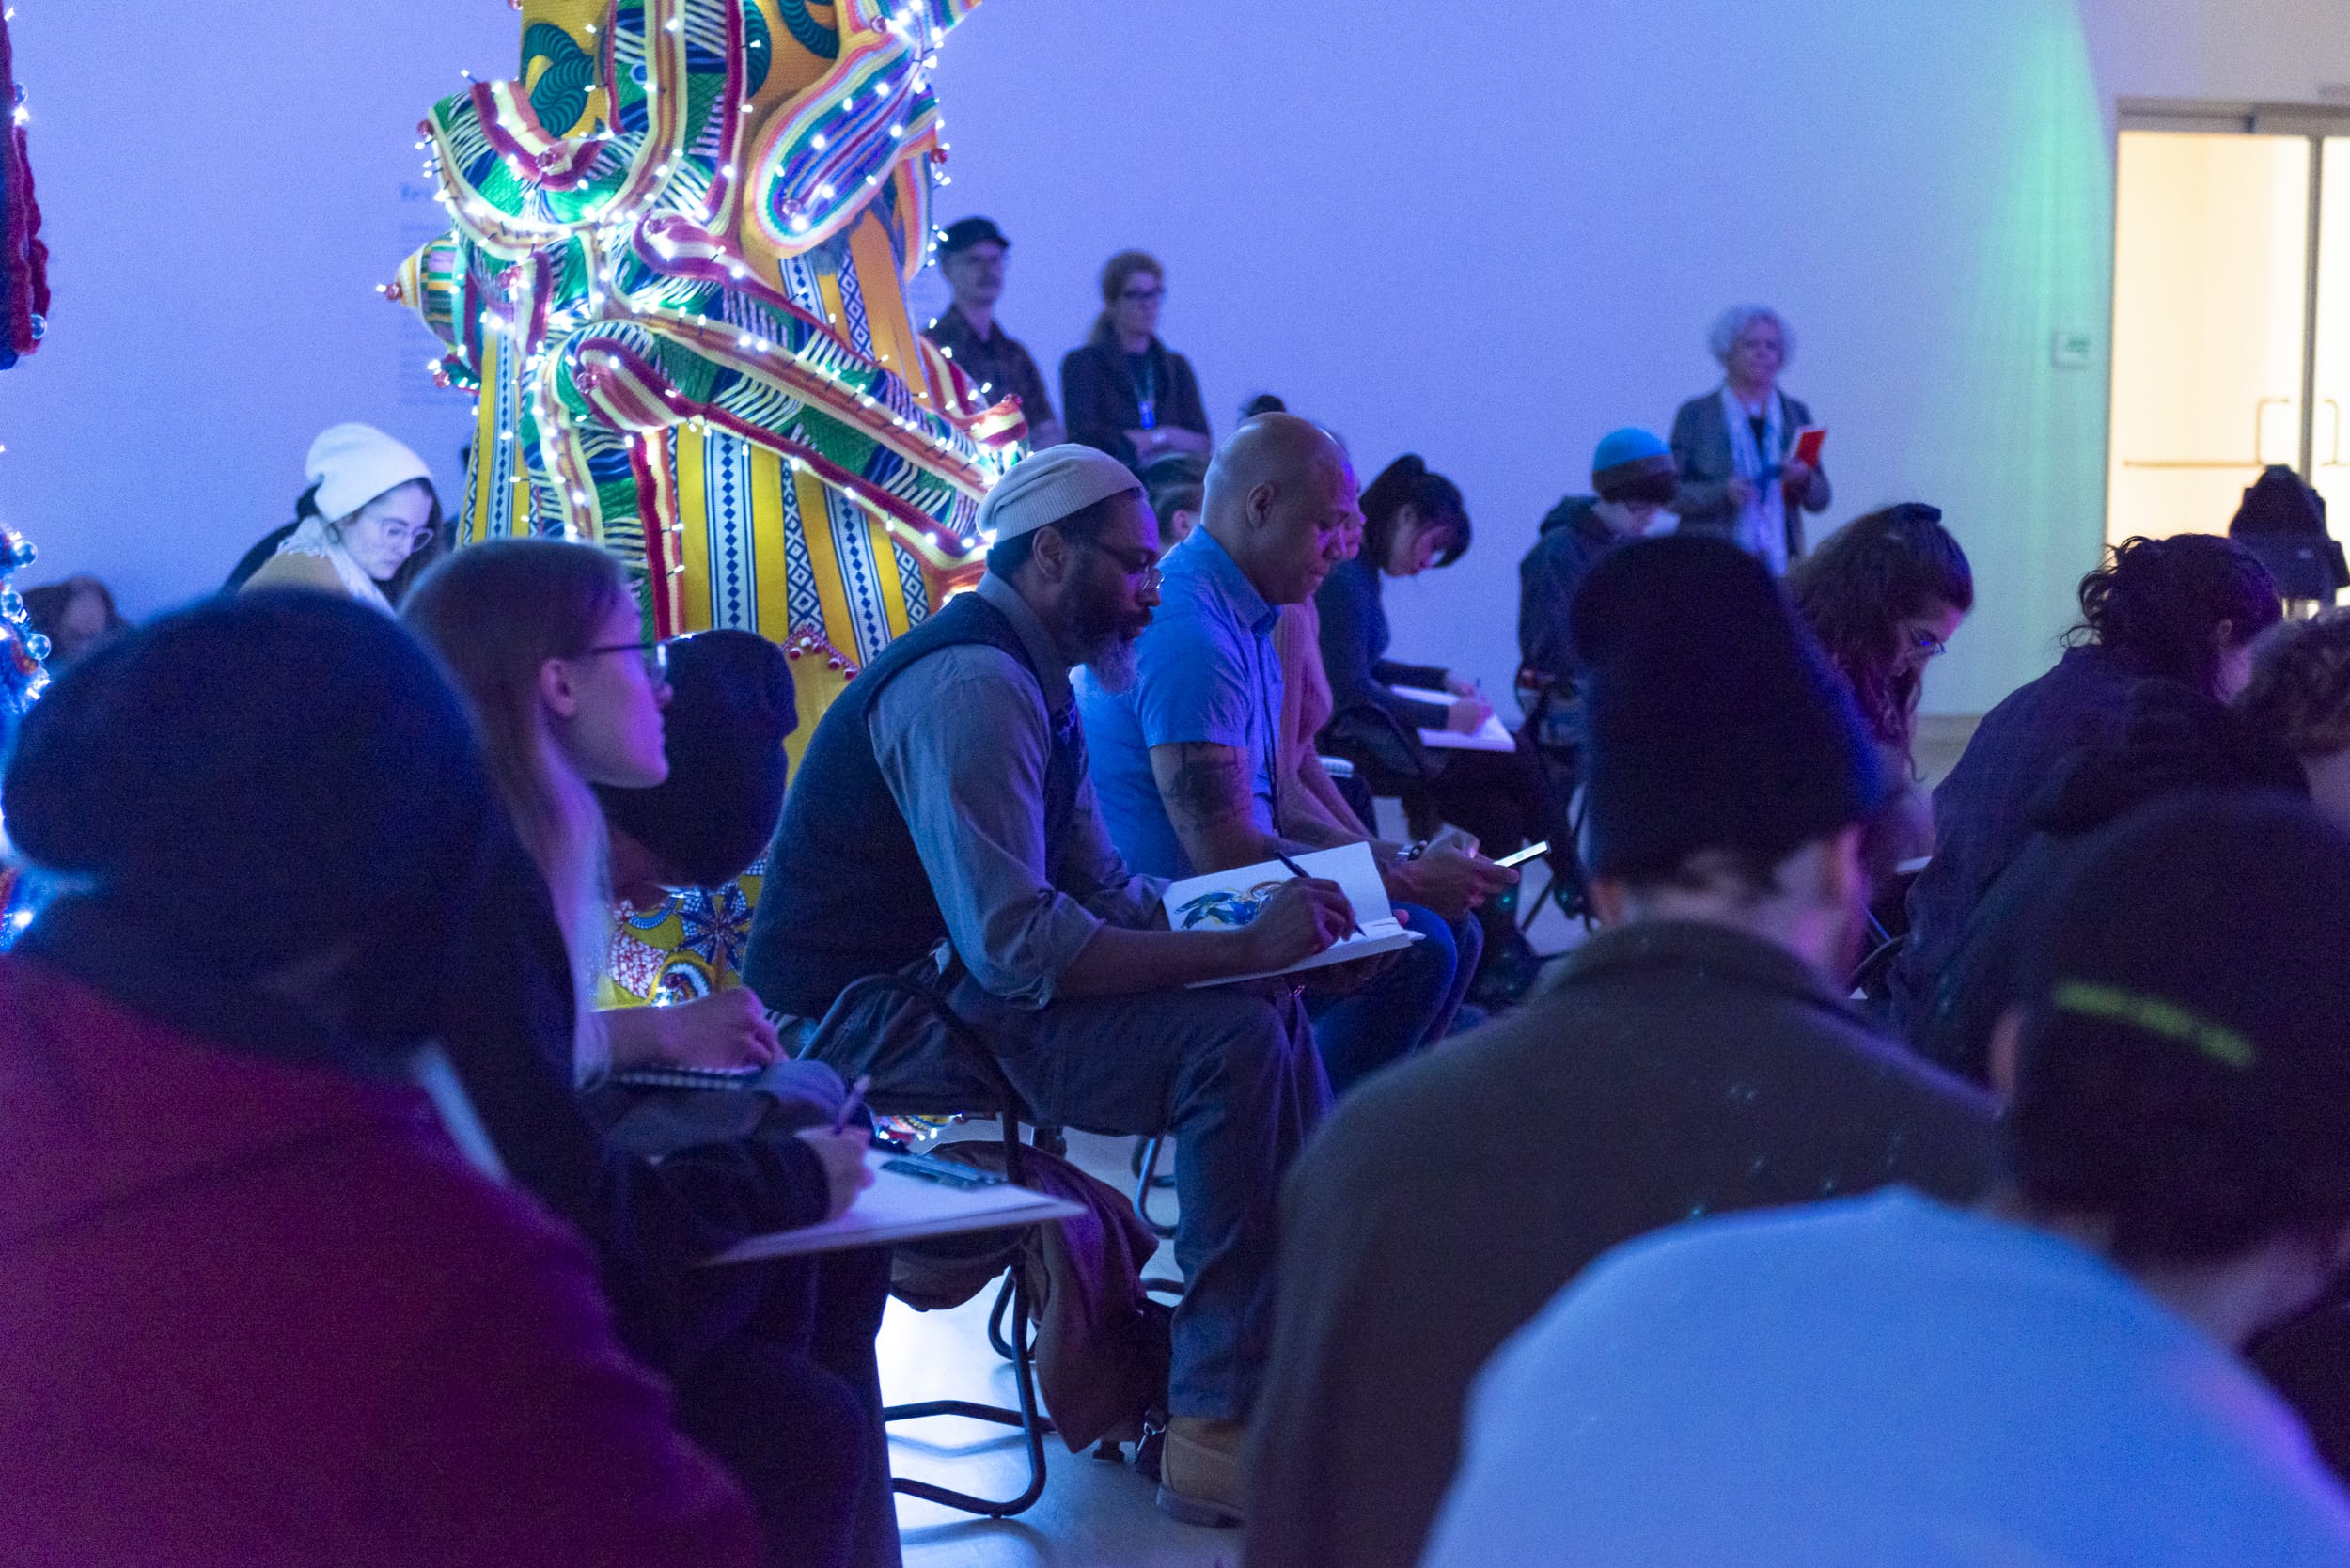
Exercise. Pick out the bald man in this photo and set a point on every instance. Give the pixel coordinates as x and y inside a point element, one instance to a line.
<point>1186,759</point>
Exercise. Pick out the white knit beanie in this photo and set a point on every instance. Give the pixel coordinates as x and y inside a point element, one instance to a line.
<point>353,465</point>
<point>1046,486</point>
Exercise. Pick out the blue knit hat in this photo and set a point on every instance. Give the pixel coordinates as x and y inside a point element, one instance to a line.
<point>1632,464</point>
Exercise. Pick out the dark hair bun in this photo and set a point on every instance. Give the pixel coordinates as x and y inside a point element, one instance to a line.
<point>725,730</point>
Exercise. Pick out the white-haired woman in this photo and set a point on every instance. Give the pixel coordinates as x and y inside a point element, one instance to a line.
<point>1734,446</point>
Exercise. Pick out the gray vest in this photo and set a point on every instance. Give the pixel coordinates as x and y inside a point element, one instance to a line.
<point>846,895</point>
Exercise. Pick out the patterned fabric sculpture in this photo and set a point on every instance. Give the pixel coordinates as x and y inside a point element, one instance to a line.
<point>24,259</point>
<point>24,312</point>
<point>24,308</point>
<point>675,286</point>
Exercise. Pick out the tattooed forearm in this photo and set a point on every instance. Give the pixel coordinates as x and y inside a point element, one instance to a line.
<point>1201,784</point>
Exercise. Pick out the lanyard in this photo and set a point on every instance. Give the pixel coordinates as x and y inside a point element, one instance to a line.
<point>1146,390</point>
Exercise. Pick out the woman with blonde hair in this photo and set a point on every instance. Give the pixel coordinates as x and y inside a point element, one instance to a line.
<point>771,1362</point>
<point>546,640</point>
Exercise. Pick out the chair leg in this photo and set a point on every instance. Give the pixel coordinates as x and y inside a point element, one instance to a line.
<point>995,1318</point>
<point>1143,1186</point>
<point>1033,1426</point>
<point>1531,909</point>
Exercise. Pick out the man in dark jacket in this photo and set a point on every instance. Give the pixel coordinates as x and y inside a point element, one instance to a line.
<point>971,255</point>
<point>1697,1056</point>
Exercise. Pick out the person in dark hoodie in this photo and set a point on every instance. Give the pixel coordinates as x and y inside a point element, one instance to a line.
<point>2171,739</point>
<point>1631,482</point>
<point>260,1307</point>
<point>774,1369</point>
<point>2186,608</point>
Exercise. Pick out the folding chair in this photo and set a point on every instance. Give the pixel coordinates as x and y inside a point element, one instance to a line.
<point>1009,1338</point>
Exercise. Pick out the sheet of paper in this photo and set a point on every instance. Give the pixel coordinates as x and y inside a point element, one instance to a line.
<point>1225,901</point>
<point>1491,736</point>
<point>900,1208</point>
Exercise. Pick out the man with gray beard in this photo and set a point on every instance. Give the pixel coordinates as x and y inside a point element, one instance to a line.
<point>942,827</point>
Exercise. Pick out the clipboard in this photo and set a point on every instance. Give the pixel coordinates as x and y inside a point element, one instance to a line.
<point>898,1208</point>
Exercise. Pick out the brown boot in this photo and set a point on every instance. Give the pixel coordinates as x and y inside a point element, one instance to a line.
<point>1199,1471</point>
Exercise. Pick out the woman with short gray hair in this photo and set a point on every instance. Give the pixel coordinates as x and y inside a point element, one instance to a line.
<point>1734,446</point>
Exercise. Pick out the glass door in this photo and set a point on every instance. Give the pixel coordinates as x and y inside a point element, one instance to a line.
<point>2211,353</point>
<point>2329,465</point>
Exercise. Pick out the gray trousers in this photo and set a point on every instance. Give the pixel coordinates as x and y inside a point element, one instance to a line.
<point>1230,1071</point>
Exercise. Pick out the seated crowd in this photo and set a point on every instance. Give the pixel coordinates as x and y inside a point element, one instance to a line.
<point>353,1219</point>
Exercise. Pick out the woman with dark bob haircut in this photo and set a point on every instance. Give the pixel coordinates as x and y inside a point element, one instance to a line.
<point>1413,519</point>
<point>2185,609</point>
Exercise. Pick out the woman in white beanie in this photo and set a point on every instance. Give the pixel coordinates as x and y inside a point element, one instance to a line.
<point>370,506</point>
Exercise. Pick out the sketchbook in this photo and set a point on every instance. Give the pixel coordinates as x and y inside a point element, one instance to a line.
<point>898,1208</point>
<point>1491,736</point>
<point>1225,901</point>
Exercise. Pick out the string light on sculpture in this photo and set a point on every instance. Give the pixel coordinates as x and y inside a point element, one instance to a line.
<point>614,244</point>
<point>23,324</point>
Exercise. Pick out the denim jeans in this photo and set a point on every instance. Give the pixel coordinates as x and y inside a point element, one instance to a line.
<point>1230,1071</point>
<point>1409,1007</point>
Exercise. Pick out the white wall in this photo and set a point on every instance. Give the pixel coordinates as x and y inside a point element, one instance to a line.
<point>1491,233</point>
<point>1485,233</point>
<point>224,182</point>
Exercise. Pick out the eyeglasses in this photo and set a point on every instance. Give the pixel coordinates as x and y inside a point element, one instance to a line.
<point>410,539</point>
<point>656,655</point>
<point>1141,296</point>
<point>1137,563</point>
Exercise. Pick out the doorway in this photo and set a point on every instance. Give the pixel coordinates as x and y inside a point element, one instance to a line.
<point>2230,313</point>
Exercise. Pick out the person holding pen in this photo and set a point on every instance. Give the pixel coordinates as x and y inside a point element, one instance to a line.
<point>1187,757</point>
<point>943,826</point>
<point>1414,519</point>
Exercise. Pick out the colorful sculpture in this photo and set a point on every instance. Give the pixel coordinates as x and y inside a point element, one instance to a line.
<point>23,320</point>
<point>675,284</point>
<point>23,311</point>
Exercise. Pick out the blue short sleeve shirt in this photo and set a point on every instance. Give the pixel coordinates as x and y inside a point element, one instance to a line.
<point>1205,671</point>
